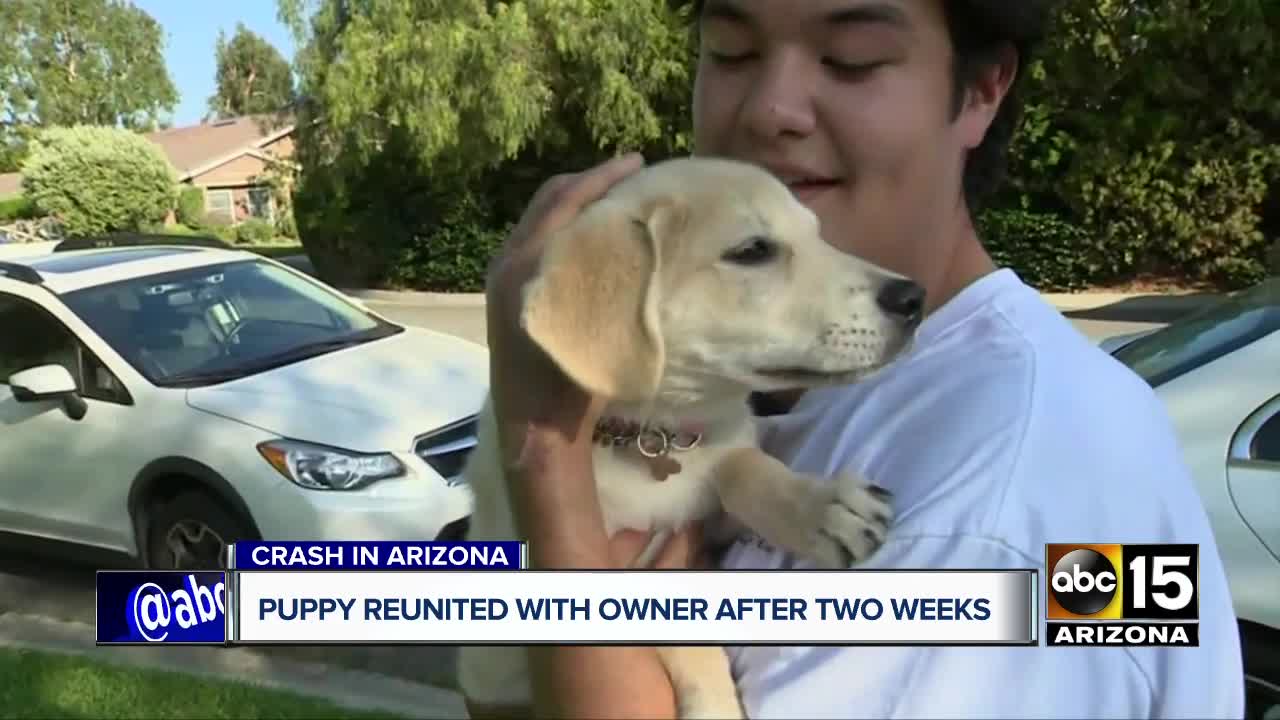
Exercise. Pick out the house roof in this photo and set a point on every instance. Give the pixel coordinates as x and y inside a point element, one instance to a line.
<point>195,149</point>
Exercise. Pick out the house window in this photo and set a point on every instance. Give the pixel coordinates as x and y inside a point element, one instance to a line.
<point>260,202</point>
<point>218,207</point>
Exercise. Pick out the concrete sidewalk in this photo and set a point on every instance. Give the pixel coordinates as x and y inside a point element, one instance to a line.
<point>348,688</point>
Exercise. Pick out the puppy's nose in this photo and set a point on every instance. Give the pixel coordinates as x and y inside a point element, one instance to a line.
<point>903,299</point>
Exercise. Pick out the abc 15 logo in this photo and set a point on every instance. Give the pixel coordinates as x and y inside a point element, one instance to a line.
<point>1123,582</point>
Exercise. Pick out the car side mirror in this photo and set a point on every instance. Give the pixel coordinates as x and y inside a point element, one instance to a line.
<point>48,382</point>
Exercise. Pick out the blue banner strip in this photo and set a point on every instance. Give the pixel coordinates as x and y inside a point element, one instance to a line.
<point>381,555</point>
<point>164,607</point>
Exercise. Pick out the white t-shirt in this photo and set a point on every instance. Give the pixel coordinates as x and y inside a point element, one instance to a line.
<point>1004,429</point>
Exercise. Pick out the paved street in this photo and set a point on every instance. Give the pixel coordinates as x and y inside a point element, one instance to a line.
<point>62,592</point>
<point>467,322</point>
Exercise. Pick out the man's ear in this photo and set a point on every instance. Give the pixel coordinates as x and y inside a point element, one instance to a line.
<point>986,91</point>
<point>593,306</point>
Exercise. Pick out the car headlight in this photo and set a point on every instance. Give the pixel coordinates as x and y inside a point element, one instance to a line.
<point>316,467</point>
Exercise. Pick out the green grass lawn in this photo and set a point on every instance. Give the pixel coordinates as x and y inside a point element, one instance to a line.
<point>48,685</point>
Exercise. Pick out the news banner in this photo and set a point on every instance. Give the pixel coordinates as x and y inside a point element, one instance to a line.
<point>484,593</point>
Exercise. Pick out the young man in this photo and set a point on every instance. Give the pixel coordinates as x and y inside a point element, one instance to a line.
<point>1003,430</point>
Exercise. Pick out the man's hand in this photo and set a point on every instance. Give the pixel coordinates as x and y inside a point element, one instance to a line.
<point>684,550</point>
<point>544,423</point>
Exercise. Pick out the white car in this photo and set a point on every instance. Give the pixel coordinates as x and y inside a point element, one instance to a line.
<point>1218,373</point>
<point>162,397</point>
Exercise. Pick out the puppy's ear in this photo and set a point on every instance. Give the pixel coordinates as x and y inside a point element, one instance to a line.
<point>593,306</point>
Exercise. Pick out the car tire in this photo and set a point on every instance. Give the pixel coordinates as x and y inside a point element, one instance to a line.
<point>1261,650</point>
<point>191,532</point>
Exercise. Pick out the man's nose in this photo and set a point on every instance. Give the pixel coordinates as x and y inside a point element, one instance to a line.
<point>902,299</point>
<point>780,103</point>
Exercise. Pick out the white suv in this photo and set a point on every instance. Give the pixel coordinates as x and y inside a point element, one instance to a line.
<point>162,397</point>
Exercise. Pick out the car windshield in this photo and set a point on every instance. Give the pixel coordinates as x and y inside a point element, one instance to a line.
<point>218,323</point>
<point>1201,338</point>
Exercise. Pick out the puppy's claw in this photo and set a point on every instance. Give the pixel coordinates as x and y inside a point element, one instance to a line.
<point>881,494</point>
<point>830,552</point>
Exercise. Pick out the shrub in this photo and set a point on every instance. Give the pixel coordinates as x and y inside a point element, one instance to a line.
<point>191,207</point>
<point>355,219</point>
<point>255,231</point>
<point>1046,251</point>
<point>286,225</point>
<point>225,233</point>
<point>1273,258</point>
<point>390,226</point>
<point>99,179</point>
<point>17,208</point>
<point>218,227</point>
<point>1193,208</point>
<point>454,256</point>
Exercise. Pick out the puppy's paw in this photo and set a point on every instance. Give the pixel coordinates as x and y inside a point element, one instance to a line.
<point>851,520</point>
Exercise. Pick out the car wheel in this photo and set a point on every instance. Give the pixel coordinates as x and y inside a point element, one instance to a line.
<point>1261,672</point>
<point>192,532</point>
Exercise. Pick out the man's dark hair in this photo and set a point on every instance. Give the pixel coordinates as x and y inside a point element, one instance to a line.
<point>980,30</point>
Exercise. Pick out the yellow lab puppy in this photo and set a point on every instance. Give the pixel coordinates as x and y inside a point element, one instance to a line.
<point>693,283</point>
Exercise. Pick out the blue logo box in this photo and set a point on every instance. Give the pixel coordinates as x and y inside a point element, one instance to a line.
<point>168,607</point>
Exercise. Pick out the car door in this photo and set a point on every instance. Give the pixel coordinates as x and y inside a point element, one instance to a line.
<point>57,473</point>
<point>1253,473</point>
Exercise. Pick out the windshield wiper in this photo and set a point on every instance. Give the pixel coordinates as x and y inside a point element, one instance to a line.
<point>270,362</point>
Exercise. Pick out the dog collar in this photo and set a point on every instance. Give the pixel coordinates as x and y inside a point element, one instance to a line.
<point>651,440</point>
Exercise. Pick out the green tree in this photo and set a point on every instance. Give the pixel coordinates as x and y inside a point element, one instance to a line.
<point>93,62</point>
<point>431,109</point>
<point>252,77</point>
<point>97,179</point>
<point>1151,141</point>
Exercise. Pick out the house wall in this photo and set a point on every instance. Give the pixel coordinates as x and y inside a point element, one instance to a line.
<point>281,148</point>
<point>233,205</point>
<point>232,185</point>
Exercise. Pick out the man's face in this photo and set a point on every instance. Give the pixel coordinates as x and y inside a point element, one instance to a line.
<point>850,102</point>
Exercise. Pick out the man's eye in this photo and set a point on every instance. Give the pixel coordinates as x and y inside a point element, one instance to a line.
<point>852,70</point>
<point>755,251</point>
<point>730,58</point>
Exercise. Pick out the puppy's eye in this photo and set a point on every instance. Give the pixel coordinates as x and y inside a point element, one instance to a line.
<point>755,251</point>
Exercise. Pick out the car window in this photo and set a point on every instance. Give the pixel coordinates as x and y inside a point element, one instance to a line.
<point>30,337</point>
<point>1266,443</point>
<point>97,382</point>
<point>1203,337</point>
<point>217,319</point>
